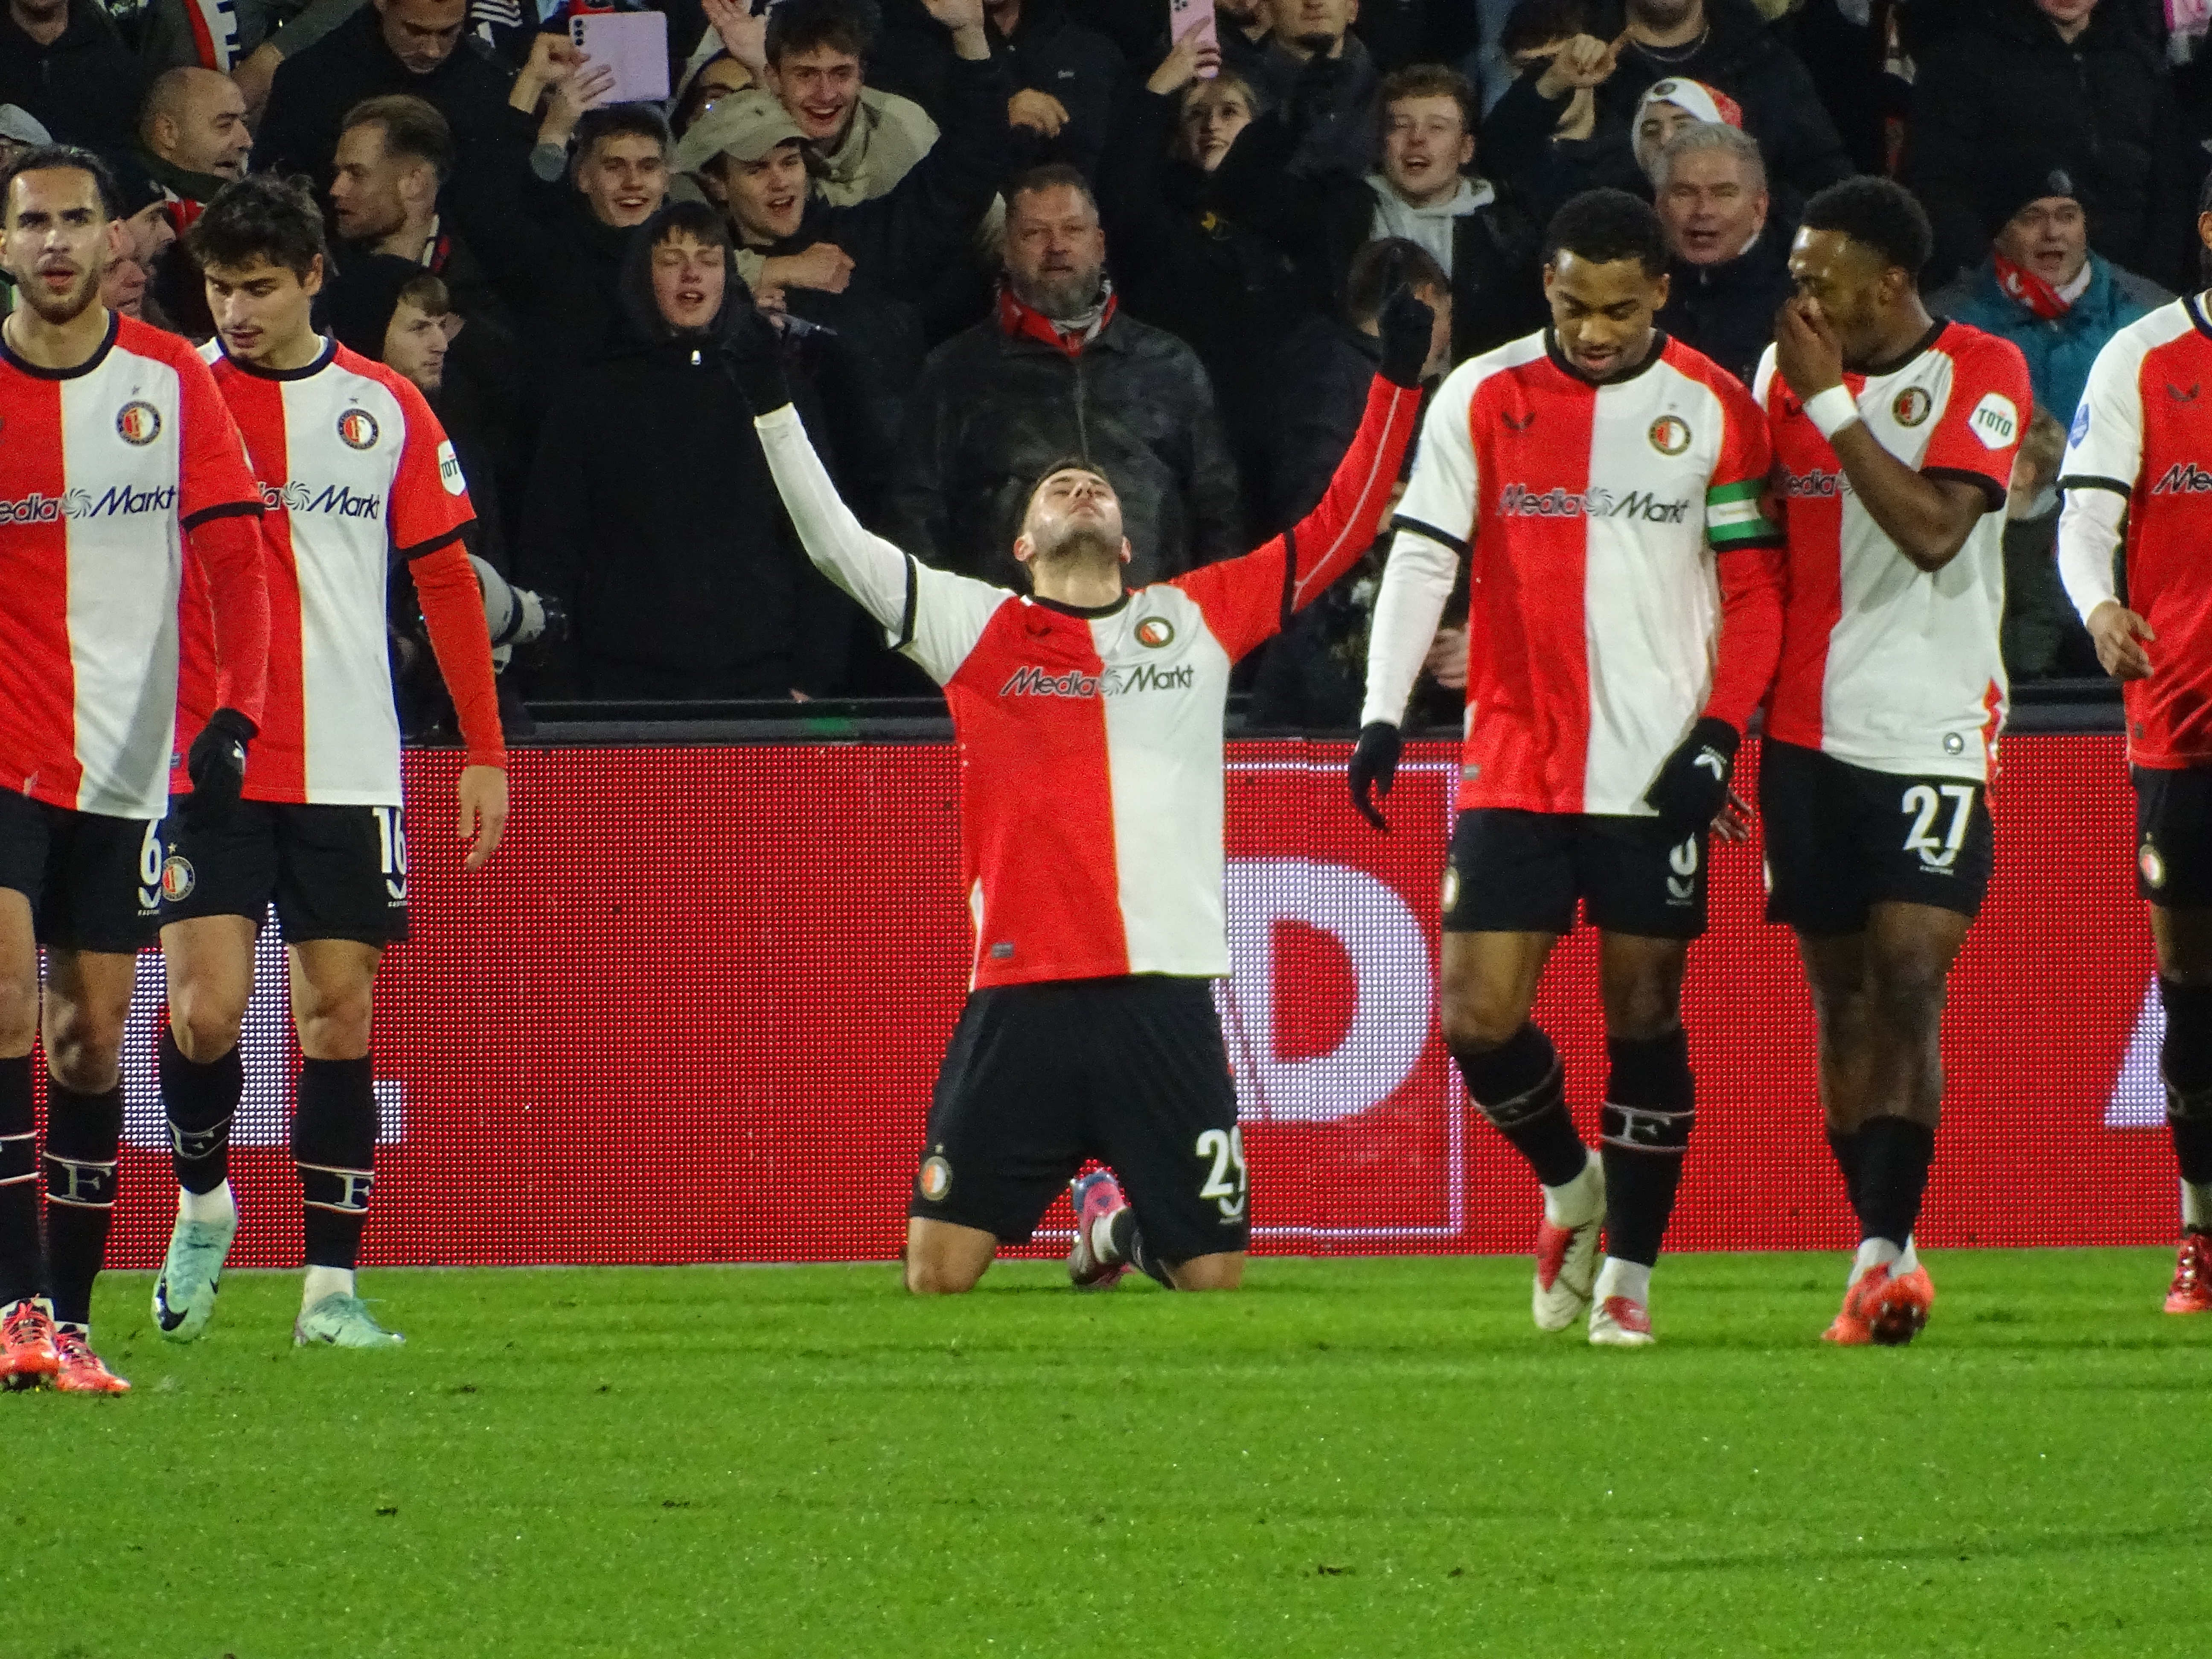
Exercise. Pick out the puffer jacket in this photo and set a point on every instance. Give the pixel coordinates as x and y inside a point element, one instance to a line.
<point>2059,350</point>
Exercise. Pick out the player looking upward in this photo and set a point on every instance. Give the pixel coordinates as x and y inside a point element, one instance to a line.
<point>1606,482</point>
<point>1894,435</point>
<point>1088,719</point>
<point>2137,456</point>
<point>116,452</point>
<point>356,473</point>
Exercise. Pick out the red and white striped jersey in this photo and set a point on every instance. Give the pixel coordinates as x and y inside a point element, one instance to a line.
<point>104,472</point>
<point>2144,432</point>
<point>1595,514</point>
<point>1091,765</point>
<point>1884,664</point>
<point>354,468</point>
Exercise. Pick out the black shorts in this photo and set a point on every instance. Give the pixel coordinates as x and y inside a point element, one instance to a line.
<point>331,871</point>
<point>2173,837</point>
<point>1039,1079</point>
<point>94,883</point>
<point>1841,839</point>
<point>1510,872</point>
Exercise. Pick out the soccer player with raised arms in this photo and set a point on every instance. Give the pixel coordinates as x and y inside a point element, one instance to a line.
<point>117,456</point>
<point>2138,457</point>
<point>1088,719</point>
<point>1624,617</point>
<point>356,471</point>
<point>1894,435</point>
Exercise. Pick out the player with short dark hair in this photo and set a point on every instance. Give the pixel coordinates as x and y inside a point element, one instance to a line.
<point>2138,468</point>
<point>1606,482</point>
<point>355,471</point>
<point>1894,435</point>
<point>1089,717</point>
<point>117,454</point>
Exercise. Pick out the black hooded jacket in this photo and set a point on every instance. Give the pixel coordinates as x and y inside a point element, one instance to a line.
<point>2100,106</point>
<point>1741,56</point>
<point>652,512</point>
<point>85,89</point>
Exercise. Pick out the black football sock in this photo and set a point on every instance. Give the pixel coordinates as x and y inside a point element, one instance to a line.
<point>82,1134</point>
<point>334,1144</point>
<point>2185,1063</point>
<point>1844,1144</point>
<point>1894,1154</point>
<point>1129,1245</point>
<point>22,1259</point>
<point>201,1100</point>
<point>1651,1107</point>
<point>1520,1087</point>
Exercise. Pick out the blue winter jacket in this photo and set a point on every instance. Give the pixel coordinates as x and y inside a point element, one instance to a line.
<point>2059,350</point>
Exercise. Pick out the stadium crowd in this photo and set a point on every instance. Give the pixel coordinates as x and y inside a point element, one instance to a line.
<point>1065,229</point>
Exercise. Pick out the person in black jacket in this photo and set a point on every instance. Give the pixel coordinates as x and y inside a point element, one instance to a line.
<point>651,510</point>
<point>1729,271</point>
<point>1319,76</point>
<point>2057,78</point>
<point>861,271</point>
<point>1724,44</point>
<point>63,63</point>
<point>1058,372</point>
<point>389,47</point>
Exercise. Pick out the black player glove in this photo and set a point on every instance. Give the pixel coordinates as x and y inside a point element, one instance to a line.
<point>1374,766</point>
<point>216,765</point>
<point>752,350</point>
<point>1406,323</point>
<point>1692,787</point>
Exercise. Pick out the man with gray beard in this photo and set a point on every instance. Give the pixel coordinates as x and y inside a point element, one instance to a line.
<point>1057,371</point>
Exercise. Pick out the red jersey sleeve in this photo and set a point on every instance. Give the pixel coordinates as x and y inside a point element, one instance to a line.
<point>1246,601</point>
<point>1982,424</point>
<point>429,497</point>
<point>219,506</point>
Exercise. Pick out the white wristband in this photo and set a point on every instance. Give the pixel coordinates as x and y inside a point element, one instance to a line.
<point>1831,410</point>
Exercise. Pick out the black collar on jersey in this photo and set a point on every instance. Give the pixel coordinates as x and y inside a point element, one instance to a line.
<point>1566,367</point>
<point>322,361</point>
<point>2196,303</point>
<point>1086,612</point>
<point>98,357</point>
<point>1875,371</point>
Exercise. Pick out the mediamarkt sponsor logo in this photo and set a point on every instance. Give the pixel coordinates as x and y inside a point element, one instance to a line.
<point>1034,682</point>
<point>2183,478</point>
<point>1815,485</point>
<point>116,502</point>
<point>1518,501</point>
<point>299,497</point>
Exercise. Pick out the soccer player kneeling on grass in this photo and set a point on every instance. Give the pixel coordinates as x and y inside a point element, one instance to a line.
<point>1607,482</point>
<point>356,471</point>
<point>1090,725</point>
<point>2138,457</point>
<point>1894,435</point>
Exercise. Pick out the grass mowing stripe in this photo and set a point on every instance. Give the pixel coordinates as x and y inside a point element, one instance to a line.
<point>1350,1458</point>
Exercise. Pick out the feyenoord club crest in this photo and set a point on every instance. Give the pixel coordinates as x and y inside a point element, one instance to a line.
<point>1154,632</point>
<point>177,878</point>
<point>357,429</point>
<point>137,423</point>
<point>936,1179</point>
<point>2153,866</point>
<point>1670,434</point>
<point>1911,406</point>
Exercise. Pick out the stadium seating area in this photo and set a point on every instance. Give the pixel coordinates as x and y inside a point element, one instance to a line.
<point>1161,251</point>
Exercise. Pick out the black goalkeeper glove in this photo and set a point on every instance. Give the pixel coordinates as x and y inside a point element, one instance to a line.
<point>216,766</point>
<point>1406,323</point>
<point>1693,786</point>
<point>1375,767</point>
<point>752,350</point>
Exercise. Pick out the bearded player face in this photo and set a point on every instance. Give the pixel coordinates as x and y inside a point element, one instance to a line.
<point>1074,518</point>
<point>54,242</point>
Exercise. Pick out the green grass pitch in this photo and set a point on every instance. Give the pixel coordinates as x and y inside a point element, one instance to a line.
<point>1378,1457</point>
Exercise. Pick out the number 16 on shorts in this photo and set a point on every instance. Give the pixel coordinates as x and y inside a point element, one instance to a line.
<point>1222,1150</point>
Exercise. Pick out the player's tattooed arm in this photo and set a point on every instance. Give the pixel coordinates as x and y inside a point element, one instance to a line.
<point>1928,519</point>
